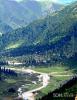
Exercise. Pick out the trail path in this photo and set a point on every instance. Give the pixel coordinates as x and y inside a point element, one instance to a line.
<point>29,94</point>
<point>45,81</point>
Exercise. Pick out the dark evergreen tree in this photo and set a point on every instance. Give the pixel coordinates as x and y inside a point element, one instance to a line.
<point>0,73</point>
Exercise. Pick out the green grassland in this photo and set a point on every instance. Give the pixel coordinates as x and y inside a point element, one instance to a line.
<point>56,68</point>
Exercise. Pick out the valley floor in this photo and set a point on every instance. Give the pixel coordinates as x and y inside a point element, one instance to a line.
<point>56,75</point>
<point>46,80</point>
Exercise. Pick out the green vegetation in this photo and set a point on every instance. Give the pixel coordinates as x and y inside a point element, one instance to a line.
<point>57,29</point>
<point>72,89</point>
<point>58,74</point>
<point>57,68</point>
<point>12,83</point>
<point>47,45</point>
<point>15,45</point>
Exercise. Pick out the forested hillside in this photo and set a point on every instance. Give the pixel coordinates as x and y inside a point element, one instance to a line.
<point>57,31</point>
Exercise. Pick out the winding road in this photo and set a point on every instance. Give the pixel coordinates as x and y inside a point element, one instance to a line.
<point>29,95</point>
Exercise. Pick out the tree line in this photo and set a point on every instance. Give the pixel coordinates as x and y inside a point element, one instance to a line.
<point>6,71</point>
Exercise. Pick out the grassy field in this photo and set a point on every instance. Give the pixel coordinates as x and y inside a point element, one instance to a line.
<point>57,69</point>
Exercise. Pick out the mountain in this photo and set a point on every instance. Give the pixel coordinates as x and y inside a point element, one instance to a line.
<point>50,6</point>
<point>41,8</point>
<point>19,14</point>
<point>13,14</point>
<point>57,32</point>
<point>33,6</point>
<point>4,28</point>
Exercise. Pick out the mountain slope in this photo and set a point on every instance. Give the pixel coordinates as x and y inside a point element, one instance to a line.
<point>17,14</point>
<point>50,6</point>
<point>41,8</point>
<point>4,28</point>
<point>33,6</point>
<point>58,31</point>
<point>10,13</point>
